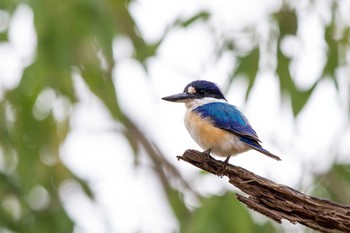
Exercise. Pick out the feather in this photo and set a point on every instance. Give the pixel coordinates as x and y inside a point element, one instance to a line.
<point>256,146</point>
<point>228,117</point>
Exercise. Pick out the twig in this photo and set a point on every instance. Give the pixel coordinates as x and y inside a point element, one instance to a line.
<point>273,200</point>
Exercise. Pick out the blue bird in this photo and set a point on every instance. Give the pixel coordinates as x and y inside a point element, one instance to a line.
<point>215,125</point>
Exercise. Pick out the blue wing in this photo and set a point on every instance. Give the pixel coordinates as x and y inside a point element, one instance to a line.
<point>227,117</point>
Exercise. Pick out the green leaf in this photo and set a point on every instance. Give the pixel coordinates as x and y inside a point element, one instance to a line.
<point>203,15</point>
<point>335,184</point>
<point>333,54</point>
<point>298,97</point>
<point>177,204</point>
<point>287,21</point>
<point>248,66</point>
<point>223,214</point>
<point>9,5</point>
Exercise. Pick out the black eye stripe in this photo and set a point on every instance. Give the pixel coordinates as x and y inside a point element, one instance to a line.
<point>201,88</point>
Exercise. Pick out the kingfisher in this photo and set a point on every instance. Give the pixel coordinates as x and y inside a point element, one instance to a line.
<point>215,125</point>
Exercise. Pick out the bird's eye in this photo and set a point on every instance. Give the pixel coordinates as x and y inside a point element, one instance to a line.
<point>201,92</point>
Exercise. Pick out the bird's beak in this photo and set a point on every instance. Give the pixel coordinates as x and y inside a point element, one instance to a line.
<point>181,97</point>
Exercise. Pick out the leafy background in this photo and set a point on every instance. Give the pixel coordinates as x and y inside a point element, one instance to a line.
<point>80,45</point>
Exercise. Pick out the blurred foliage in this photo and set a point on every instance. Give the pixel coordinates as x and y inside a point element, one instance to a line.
<point>224,214</point>
<point>335,184</point>
<point>71,36</point>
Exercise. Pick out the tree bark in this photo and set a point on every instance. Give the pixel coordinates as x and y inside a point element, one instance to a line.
<point>273,200</point>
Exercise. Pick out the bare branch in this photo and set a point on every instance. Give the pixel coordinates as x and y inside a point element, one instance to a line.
<point>273,200</point>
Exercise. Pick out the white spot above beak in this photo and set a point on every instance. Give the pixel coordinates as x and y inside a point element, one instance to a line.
<point>191,90</point>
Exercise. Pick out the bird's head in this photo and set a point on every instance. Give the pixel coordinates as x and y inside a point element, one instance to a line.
<point>197,90</point>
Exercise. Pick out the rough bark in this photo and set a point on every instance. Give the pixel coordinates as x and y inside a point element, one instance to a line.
<point>273,200</point>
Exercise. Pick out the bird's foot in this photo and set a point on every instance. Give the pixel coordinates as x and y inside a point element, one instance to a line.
<point>227,159</point>
<point>207,153</point>
<point>222,169</point>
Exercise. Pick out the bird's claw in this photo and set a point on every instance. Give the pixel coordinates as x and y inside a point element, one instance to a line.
<point>207,153</point>
<point>227,159</point>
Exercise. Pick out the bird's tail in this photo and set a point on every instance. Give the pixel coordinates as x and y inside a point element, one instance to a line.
<point>265,152</point>
<point>256,146</point>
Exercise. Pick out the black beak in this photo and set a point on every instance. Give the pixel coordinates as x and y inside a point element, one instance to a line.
<point>178,97</point>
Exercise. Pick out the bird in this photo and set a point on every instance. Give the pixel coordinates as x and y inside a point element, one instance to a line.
<point>215,125</point>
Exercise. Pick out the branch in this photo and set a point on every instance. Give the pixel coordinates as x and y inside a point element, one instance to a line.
<point>273,200</point>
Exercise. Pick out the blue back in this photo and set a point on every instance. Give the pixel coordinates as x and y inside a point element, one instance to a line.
<point>227,117</point>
